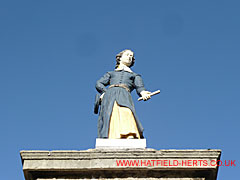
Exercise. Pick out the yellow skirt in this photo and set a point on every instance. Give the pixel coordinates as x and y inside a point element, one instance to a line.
<point>122,123</point>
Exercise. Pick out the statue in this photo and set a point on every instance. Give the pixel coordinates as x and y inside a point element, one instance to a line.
<point>117,118</point>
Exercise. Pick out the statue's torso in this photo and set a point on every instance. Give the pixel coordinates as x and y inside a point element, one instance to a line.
<point>122,77</point>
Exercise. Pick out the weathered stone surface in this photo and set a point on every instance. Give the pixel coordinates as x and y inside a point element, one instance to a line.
<point>104,164</point>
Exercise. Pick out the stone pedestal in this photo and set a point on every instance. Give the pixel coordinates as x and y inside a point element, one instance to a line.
<point>120,143</point>
<point>124,164</point>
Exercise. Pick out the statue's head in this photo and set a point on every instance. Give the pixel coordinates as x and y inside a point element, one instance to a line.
<point>125,57</point>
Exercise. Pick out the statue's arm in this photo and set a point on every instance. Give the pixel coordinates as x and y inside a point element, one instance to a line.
<point>141,91</point>
<point>139,86</point>
<point>102,83</point>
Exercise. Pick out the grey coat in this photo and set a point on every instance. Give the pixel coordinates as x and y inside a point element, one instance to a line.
<point>118,94</point>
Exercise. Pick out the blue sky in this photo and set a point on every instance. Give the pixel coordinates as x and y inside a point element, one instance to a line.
<point>52,52</point>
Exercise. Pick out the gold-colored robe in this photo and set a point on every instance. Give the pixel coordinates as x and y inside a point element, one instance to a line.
<point>122,123</point>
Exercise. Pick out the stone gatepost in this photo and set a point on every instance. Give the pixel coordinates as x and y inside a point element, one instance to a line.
<point>121,163</point>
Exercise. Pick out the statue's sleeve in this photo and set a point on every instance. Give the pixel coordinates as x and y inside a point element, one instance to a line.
<point>138,82</point>
<point>102,83</point>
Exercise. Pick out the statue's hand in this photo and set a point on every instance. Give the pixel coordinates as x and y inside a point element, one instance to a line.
<point>102,96</point>
<point>145,95</point>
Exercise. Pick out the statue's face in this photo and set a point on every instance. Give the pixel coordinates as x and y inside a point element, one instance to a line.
<point>127,58</point>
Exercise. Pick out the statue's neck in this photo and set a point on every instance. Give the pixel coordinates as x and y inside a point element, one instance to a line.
<point>123,67</point>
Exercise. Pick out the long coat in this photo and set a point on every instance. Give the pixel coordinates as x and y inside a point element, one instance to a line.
<point>118,94</point>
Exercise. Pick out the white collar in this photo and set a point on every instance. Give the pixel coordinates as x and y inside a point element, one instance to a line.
<point>123,67</point>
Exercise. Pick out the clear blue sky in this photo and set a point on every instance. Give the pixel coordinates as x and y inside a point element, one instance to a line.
<point>53,51</point>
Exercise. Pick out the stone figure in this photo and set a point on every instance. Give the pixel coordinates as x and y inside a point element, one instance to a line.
<point>117,117</point>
